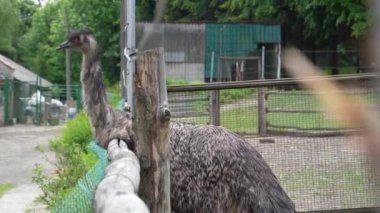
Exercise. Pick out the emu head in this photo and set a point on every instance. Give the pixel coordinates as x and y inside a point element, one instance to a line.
<point>82,40</point>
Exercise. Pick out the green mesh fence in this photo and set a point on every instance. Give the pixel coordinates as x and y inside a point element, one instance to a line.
<point>80,198</point>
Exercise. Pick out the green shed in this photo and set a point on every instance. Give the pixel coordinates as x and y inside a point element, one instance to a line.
<point>236,51</point>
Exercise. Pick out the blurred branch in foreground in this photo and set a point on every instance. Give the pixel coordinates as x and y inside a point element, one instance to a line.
<point>338,103</point>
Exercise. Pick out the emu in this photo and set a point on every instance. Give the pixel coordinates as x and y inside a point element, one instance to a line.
<point>212,169</point>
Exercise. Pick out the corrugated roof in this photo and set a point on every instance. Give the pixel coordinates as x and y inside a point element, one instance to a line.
<point>22,74</point>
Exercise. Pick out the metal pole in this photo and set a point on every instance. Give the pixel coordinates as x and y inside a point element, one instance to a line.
<point>212,67</point>
<point>67,59</point>
<point>131,48</point>
<point>123,61</point>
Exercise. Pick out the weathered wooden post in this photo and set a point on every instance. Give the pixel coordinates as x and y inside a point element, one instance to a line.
<point>151,126</point>
<point>262,129</point>
<point>262,112</point>
<point>215,108</point>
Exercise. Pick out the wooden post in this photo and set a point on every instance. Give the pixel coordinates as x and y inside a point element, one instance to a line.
<point>262,112</point>
<point>261,104</point>
<point>215,108</point>
<point>151,126</point>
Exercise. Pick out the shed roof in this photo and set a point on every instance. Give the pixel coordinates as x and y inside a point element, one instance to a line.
<point>23,74</point>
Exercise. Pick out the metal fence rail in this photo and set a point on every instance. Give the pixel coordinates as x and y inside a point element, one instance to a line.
<point>319,173</point>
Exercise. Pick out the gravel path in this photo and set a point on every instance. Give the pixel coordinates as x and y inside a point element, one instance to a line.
<point>18,157</point>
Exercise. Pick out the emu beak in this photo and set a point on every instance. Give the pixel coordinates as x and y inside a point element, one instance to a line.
<point>64,45</point>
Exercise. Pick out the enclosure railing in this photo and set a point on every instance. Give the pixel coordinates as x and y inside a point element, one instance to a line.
<point>204,102</point>
<point>289,127</point>
<point>29,103</point>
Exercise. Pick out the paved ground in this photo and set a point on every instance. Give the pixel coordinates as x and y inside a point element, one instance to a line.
<point>17,159</point>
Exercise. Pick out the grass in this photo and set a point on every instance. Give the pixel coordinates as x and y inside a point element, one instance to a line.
<point>321,185</point>
<point>242,115</point>
<point>5,187</point>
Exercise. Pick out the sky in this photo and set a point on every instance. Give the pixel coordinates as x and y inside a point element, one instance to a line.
<point>42,1</point>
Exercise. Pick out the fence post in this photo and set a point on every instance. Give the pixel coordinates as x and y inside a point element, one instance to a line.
<point>215,108</point>
<point>6,102</point>
<point>151,126</point>
<point>261,100</point>
<point>262,112</point>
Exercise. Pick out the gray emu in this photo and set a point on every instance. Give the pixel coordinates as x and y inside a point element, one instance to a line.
<point>211,168</point>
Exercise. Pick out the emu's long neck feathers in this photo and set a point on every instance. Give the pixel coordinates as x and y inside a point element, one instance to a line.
<point>93,91</point>
<point>107,122</point>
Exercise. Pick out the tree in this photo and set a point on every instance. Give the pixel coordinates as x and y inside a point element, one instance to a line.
<point>10,19</point>
<point>317,24</point>
<point>331,23</point>
<point>247,10</point>
<point>192,10</point>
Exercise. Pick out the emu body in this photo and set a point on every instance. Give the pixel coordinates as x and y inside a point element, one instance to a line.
<point>211,168</point>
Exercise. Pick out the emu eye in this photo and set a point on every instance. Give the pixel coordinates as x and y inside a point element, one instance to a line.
<point>75,39</point>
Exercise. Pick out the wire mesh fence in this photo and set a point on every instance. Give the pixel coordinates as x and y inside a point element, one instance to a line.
<point>210,52</point>
<point>29,103</point>
<point>79,200</point>
<point>320,162</point>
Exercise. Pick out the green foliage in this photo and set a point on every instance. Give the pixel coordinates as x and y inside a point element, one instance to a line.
<point>5,187</point>
<point>31,32</point>
<point>145,10</point>
<point>73,159</point>
<point>172,82</point>
<point>190,10</point>
<point>10,19</point>
<point>56,91</point>
<point>230,95</point>
<point>323,19</point>
<point>114,93</point>
<point>245,10</point>
<point>38,47</point>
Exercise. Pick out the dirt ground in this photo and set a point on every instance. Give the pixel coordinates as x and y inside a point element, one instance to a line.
<point>321,173</point>
<point>17,160</point>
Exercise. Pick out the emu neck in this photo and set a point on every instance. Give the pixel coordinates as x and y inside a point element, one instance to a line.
<point>93,91</point>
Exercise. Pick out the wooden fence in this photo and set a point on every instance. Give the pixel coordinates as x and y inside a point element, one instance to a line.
<point>264,127</point>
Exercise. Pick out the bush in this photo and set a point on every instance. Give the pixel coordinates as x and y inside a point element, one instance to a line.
<point>73,160</point>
